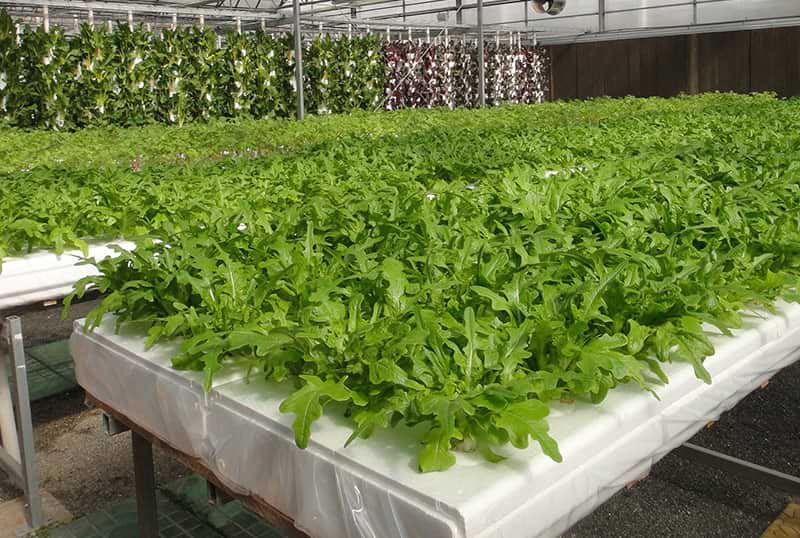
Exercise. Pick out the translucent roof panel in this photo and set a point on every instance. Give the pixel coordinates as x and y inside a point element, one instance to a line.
<point>738,10</point>
<point>612,5</point>
<point>582,15</point>
<point>579,18</point>
<point>669,15</point>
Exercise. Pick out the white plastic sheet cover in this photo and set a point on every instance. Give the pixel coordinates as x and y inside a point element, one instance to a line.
<point>372,488</point>
<point>44,276</point>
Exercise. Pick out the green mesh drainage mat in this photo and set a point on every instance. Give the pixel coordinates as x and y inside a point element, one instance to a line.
<point>50,369</point>
<point>119,521</point>
<point>183,511</point>
<point>231,519</point>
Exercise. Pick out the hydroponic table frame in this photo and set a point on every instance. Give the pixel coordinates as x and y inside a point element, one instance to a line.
<point>17,452</point>
<point>235,436</point>
<point>142,442</point>
<point>31,283</point>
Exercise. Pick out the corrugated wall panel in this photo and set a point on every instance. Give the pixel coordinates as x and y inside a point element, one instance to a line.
<point>775,61</point>
<point>564,72</point>
<point>753,60</point>
<point>724,62</point>
<point>664,65</point>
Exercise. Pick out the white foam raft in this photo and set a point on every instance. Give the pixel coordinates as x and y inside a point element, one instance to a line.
<point>372,488</point>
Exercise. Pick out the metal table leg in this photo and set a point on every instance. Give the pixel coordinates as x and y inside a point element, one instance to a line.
<point>216,496</point>
<point>145,486</point>
<point>18,453</point>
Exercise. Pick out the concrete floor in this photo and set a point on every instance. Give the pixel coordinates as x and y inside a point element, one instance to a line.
<point>87,471</point>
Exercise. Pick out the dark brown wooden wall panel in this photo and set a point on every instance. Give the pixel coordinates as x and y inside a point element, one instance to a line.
<point>603,69</point>
<point>664,66</point>
<point>634,68</point>
<point>745,61</point>
<point>775,61</point>
<point>564,84</point>
<point>724,62</point>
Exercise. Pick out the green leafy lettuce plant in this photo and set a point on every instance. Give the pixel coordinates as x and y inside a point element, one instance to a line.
<point>447,270</point>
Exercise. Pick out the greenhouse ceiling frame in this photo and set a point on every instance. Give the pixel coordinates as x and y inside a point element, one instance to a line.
<point>342,14</point>
<point>540,25</point>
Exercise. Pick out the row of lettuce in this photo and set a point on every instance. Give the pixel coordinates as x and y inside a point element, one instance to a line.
<point>448,270</point>
<point>131,76</point>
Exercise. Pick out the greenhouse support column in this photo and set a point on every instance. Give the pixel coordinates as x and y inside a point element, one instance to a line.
<point>601,15</point>
<point>481,67</point>
<point>298,61</point>
<point>525,8</point>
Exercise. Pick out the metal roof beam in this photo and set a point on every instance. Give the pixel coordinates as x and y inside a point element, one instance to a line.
<point>450,8</point>
<point>161,8</point>
<point>202,3</point>
<point>370,23</point>
<point>458,7</point>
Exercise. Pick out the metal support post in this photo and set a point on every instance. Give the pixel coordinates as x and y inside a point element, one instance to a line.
<point>298,61</point>
<point>18,451</point>
<point>112,426</point>
<point>459,14</point>
<point>601,15</point>
<point>216,497</point>
<point>481,60</point>
<point>750,471</point>
<point>525,8</point>
<point>694,12</point>
<point>146,509</point>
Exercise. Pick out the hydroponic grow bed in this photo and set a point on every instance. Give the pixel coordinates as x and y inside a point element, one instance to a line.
<point>45,276</point>
<point>372,487</point>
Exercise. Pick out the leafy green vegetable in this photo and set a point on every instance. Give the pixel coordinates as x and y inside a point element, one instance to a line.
<point>428,268</point>
<point>133,77</point>
<point>306,404</point>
